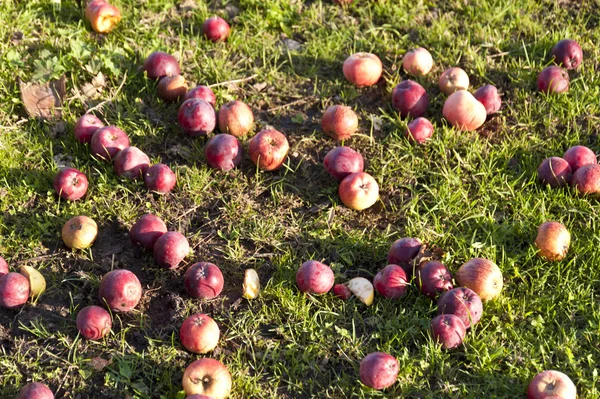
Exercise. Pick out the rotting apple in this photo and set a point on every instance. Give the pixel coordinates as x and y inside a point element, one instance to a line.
<point>433,278</point>
<point>578,156</point>
<point>379,370</point>
<point>567,53</point>
<point>79,232</point>
<point>482,276</point>
<point>339,122</point>
<point>555,172</point>
<point>171,88</point>
<point>403,251</point>
<point>462,302</point>
<point>103,17</point>
<point>553,241</point>
<point>551,384</point>
<point>108,141</point>
<point>410,99</point>
<point>203,280</point>
<point>160,178</point>
<point>93,322</point>
<point>14,290</point>
<point>343,161</point>
<point>85,127</point>
<point>70,184</point>
<point>417,62</point>
<point>216,29</point>
<point>203,93</point>
<point>314,277</point>
<point>223,152</point>
<point>268,149</point>
<point>586,181</point>
<point>489,97</point>
<point>120,290</point>
<point>199,333</point>
<point>453,79</point>
<point>236,118</point>
<point>170,249</point>
<point>359,191</point>
<point>391,282</point>
<point>131,162</point>
<point>146,230</point>
<point>448,330</point>
<point>553,79</point>
<point>35,390</point>
<point>419,130</point>
<point>196,117</point>
<point>463,111</point>
<point>160,64</point>
<point>208,377</point>
<point>363,69</point>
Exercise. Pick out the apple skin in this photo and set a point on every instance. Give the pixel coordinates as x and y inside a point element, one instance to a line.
<point>199,334</point>
<point>433,279</point>
<point>159,64</point>
<point>551,384</point>
<point>108,141</point>
<point>586,181</point>
<point>314,277</point>
<point>403,251</point>
<point>362,69</point>
<point>203,93</point>
<point>553,79</point>
<point>391,282</point>
<point>417,62</point>
<point>216,29</point>
<point>379,370</point>
<point>170,249</point>
<point>343,161</point>
<point>410,99</point>
<point>453,79</point>
<point>462,302</point>
<point>555,172</point>
<point>359,191</point>
<point>489,97</point>
<point>131,163</point>
<point>79,232</point>
<point>160,178</point>
<point>463,111</point>
<point>449,330</point>
<point>171,88</point>
<point>208,377</point>
<point>3,266</point>
<point>146,230</point>
<point>103,17</point>
<point>203,280</point>
<point>482,276</point>
<point>268,149</point>
<point>419,130</point>
<point>85,127</point>
<point>553,240</point>
<point>93,322</point>
<point>223,152</point>
<point>567,53</point>
<point>120,290</point>
<point>339,122</point>
<point>35,390</point>
<point>14,290</point>
<point>70,184</point>
<point>342,291</point>
<point>235,118</point>
<point>196,117</point>
<point>578,156</point>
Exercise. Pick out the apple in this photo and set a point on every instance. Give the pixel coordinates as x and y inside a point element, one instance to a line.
<point>587,180</point>
<point>37,282</point>
<point>120,290</point>
<point>403,251</point>
<point>14,290</point>
<point>379,370</point>
<point>453,79</point>
<point>170,249</point>
<point>462,302</point>
<point>196,396</point>
<point>391,282</point>
<point>567,53</point>
<point>108,141</point>
<point>203,93</point>
<point>578,156</point>
<point>342,291</point>
<point>419,130</point>
<point>79,232</point>
<point>159,64</point>
<point>449,330</point>
<point>482,276</point>
<point>216,29</point>
<point>131,163</point>
<point>553,240</point>
<point>103,17</point>
<point>362,69</point>
<point>343,161</point>
<point>417,62</point>
<point>203,280</point>
<point>339,122</point>
<point>196,117</point>
<point>160,178</point>
<point>70,184</point>
<point>223,152</point>
<point>235,118</point>
<point>146,230</point>
<point>555,172</point>
<point>208,377</point>
<point>268,149</point>
<point>93,322</point>
<point>463,111</point>
<point>85,127</point>
<point>35,390</point>
<point>410,99</point>
<point>314,277</point>
<point>199,334</point>
<point>359,191</point>
<point>551,384</point>
<point>553,79</point>
<point>489,97</point>
<point>433,278</point>
<point>3,266</point>
<point>171,88</point>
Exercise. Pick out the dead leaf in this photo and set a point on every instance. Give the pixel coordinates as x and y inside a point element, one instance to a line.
<point>90,91</point>
<point>99,80</point>
<point>44,100</point>
<point>99,364</point>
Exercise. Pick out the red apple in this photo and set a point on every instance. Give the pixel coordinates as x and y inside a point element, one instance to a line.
<point>199,334</point>
<point>35,390</point>
<point>70,184</point>
<point>553,79</point>
<point>555,172</point>
<point>223,152</point>
<point>268,149</point>
<point>216,29</point>
<point>463,111</point>
<point>108,141</point>
<point>453,79</point>
<point>403,251</point>
<point>146,230</point>
<point>314,277</point>
<point>121,290</point>
<point>93,322</point>
<point>236,118</point>
<point>85,127</point>
<point>363,69</point>
<point>462,302</point>
<point>489,97</point>
<point>342,291</point>
<point>391,282</point>
<point>343,161</point>
<point>417,62</point>
<point>551,384</point>
<point>586,181</point>
<point>171,88</point>
<point>170,249</point>
<point>159,64</point>
<point>578,156</point>
<point>449,330</point>
<point>207,377</point>
<point>197,117</point>
<point>339,122</point>
<point>203,93</point>
<point>203,280</point>
<point>419,130</point>
<point>410,99</point>
<point>103,17</point>
<point>359,191</point>
<point>160,178</point>
<point>131,163</point>
<point>567,53</point>
<point>553,240</point>
<point>14,290</point>
<point>482,276</point>
<point>3,266</point>
<point>433,278</point>
<point>379,370</point>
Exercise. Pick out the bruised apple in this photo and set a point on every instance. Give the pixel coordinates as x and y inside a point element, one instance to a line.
<point>14,290</point>
<point>410,99</point>
<point>235,118</point>
<point>93,322</point>
<point>567,53</point>
<point>417,62</point>
<point>314,277</point>
<point>362,69</point>
<point>170,249</point>
<point>146,230</point>
<point>449,330</point>
<point>553,240</point>
<point>268,149</point>
<point>463,111</point>
<point>551,384</point>
<point>586,181</point>
<point>171,88</point>
<point>120,290</point>
<point>203,280</point>
<point>103,17</point>
<point>482,276</point>
<point>208,377</point>
<point>359,191</point>
<point>160,178</point>
<point>391,282</point>
<point>199,334</point>
<point>433,278</point>
<point>462,302</point>
<point>453,79</point>
<point>79,232</point>
<point>419,130</point>
<point>85,127</point>
<point>339,122</point>
<point>160,64</point>
<point>555,172</point>
<point>35,390</point>
<point>343,161</point>
<point>379,370</point>
<point>578,156</point>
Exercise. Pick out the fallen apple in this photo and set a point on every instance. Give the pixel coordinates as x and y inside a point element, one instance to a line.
<point>170,249</point>
<point>131,163</point>
<point>551,384</point>
<point>85,127</point>
<point>482,276</point>
<point>462,302</point>
<point>578,156</point>
<point>146,230</point>
<point>208,377</point>
<point>223,152</point>
<point>419,130</point>
<point>14,290</point>
<point>216,29</point>
<point>362,69</point>
<point>391,282</point>
<point>3,266</point>
<point>70,184</point>
<point>314,277</point>
<point>362,289</point>
<point>199,334</point>
<point>103,17</point>
<point>489,97</point>
<point>196,117</point>
<point>160,178</point>
<point>120,290</point>
<point>37,282</point>
<point>251,284</point>
<point>108,141</point>
<point>79,232</point>
<point>342,291</point>
<point>586,181</point>
<point>93,322</point>
<point>567,53</point>
<point>343,161</point>
<point>203,93</point>
<point>196,396</point>
<point>553,79</point>
<point>339,122</point>
<point>35,390</point>
<point>268,149</point>
<point>555,172</point>
<point>379,370</point>
<point>448,330</point>
<point>171,88</point>
<point>359,191</point>
<point>410,99</point>
<point>235,118</point>
<point>203,280</point>
<point>453,79</point>
<point>463,111</point>
<point>433,278</point>
<point>403,251</point>
<point>417,62</point>
<point>160,64</point>
<point>553,240</point>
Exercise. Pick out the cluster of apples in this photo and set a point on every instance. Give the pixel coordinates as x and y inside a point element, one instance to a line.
<point>17,288</point>
<point>554,79</point>
<point>577,167</point>
<point>103,16</point>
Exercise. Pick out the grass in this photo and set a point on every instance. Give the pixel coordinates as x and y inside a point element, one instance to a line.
<point>471,194</point>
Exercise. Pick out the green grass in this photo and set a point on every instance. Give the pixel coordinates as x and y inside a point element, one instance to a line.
<point>471,194</point>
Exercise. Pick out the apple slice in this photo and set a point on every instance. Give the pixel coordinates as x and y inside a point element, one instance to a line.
<point>37,282</point>
<point>362,289</point>
<point>251,284</point>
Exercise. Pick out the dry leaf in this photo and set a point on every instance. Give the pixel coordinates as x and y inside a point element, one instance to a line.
<point>99,80</point>
<point>90,91</point>
<point>44,100</point>
<point>99,364</point>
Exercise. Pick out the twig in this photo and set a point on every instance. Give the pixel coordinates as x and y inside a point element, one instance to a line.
<point>300,101</point>
<point>234,81</point>
<point>111,99</point>
<point>35,258</point>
